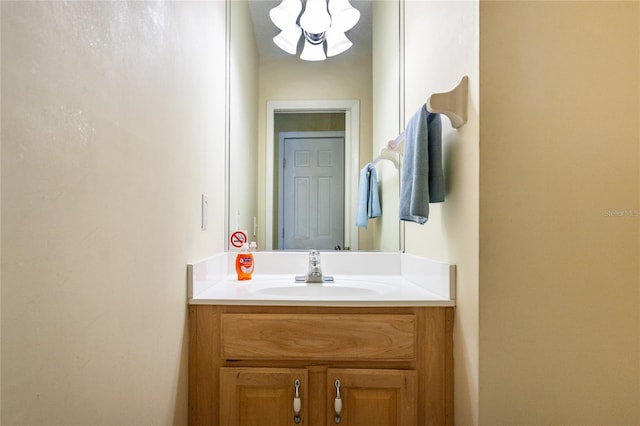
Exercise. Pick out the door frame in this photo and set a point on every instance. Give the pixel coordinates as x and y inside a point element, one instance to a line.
<point>351,109</point>
<point>302,135</point>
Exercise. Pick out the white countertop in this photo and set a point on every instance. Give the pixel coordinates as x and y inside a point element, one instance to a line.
<point>396,291</point>
<point>361,279</point>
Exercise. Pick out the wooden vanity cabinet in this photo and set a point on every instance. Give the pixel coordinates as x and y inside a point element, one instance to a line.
<point>257,396</point>
<point>391,366</point>
<point>373,397</point>
<point>368,397</point>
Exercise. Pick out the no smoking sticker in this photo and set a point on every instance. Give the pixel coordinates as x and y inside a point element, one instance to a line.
<point>238,238</point>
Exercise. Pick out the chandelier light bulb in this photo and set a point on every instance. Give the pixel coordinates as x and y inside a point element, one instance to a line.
<point>312,52</point>
<point>337,42</point>
<point>343,15</point>
<point>285,15</point>
<point>287,40</point>
<point>315,19</point>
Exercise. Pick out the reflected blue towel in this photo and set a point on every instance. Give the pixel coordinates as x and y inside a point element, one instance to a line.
<point>422,177</point>
<point>368,200</point>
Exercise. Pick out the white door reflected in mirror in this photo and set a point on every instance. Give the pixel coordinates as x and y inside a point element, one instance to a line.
<point>311,190</point>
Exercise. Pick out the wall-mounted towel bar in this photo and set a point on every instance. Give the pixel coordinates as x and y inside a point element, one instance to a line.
<point>387,154</point>
<point>397,144</point>
<point>453,104</point>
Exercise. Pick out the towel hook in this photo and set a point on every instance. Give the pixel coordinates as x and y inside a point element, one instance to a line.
<point>453,104</point>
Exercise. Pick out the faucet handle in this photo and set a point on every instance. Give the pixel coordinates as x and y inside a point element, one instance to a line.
<point>314,257</point>
<point>314,274</point>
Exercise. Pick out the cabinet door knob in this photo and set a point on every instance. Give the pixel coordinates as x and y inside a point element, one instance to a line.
<point>337,403</point>
<point>297,403</point>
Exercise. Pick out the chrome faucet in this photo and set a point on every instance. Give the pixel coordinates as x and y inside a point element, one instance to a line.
<point>314,273</point>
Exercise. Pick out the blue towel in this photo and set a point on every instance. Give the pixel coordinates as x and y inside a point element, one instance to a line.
<point>368,201</point>
<point>422,177</point>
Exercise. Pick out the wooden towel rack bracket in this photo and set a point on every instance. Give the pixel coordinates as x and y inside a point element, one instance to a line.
<point>453,104</point>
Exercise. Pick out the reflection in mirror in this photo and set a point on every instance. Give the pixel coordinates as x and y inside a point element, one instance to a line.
<point>273,96</point>
<point>310,148</point>
<point>327,208</point>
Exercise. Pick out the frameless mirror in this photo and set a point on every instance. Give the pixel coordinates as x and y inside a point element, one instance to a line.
<point>300,131</point>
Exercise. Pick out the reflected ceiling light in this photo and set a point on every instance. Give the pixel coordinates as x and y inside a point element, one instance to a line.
<point>337,42</point>
<point>287,40</point>
<point>344,16</point>
<point>320,23</point>
<point>285,14</point>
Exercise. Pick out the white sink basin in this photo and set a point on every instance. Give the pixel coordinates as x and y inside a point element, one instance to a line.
<point>338,289</point>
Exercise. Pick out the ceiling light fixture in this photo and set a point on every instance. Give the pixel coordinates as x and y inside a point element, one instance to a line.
<point>319,24</point>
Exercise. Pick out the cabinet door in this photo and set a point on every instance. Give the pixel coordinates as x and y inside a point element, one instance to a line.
<point>262,396</point>
<point>372,397</point>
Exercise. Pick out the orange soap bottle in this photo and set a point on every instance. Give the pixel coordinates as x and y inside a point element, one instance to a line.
<point>244,263</point>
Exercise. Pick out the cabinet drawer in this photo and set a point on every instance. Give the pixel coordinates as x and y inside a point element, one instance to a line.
<point>388,337</point>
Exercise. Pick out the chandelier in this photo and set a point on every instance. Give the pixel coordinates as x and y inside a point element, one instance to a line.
<point>323,22</point>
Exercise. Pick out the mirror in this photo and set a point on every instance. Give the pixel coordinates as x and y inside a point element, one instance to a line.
<point>278,103</point>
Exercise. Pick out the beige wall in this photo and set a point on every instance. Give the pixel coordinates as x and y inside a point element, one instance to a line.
<point>386,119</point>
<point>110,116</point>
<point>441,46</point>
<point>559,224</point>
<point>243,121</point>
